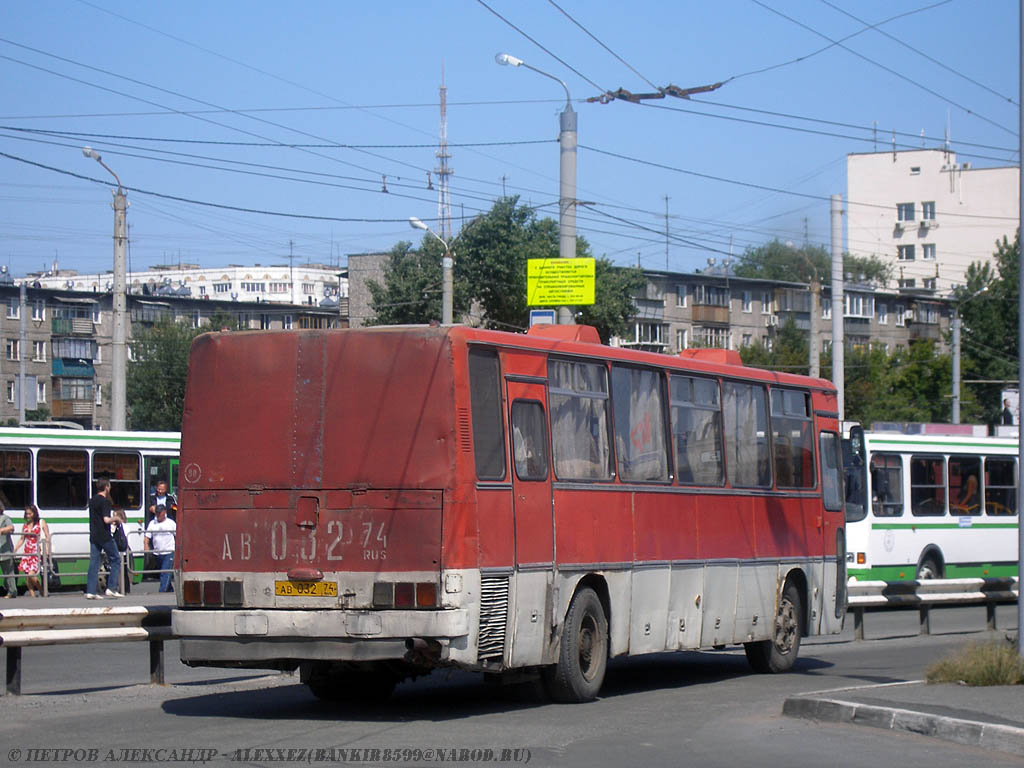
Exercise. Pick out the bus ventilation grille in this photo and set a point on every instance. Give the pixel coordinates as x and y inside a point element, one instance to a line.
<point>465,430</point>
<point>493,618</point>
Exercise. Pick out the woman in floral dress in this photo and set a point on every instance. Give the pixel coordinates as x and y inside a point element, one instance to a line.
<point>30,562</point>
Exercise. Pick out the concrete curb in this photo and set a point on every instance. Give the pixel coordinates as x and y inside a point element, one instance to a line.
<point>1002,738</point>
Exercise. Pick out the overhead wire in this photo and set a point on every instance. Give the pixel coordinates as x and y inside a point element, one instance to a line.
<point>888,69</point>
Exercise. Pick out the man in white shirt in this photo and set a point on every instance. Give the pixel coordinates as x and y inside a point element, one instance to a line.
<point>160,535</point>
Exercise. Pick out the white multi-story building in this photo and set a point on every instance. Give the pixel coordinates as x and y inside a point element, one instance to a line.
<point>928,215</point>
<point>278,283</point>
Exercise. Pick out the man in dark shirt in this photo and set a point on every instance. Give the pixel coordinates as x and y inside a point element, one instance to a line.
<point>101,515</point>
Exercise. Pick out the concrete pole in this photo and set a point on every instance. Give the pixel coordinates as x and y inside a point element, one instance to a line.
<point>814,347</point>
<point>23,350</point>
<point>956,366</point>
<point>447,285</point>
<point>567,195</point>
<point>118,386</point>
<point>837,302</point>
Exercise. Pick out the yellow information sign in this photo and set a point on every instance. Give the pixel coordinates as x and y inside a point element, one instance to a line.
<point>559,282</point>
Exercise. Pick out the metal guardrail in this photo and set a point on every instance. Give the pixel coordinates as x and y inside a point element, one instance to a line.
<point>925,595</point>
<point>24,627</point>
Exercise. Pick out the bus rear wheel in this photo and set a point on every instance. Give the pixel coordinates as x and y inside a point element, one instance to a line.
<point>779,653</point>
<point>583,652</point>
<point>928,569</point>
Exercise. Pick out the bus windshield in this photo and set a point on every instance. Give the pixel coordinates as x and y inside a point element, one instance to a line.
<point>854,469</point>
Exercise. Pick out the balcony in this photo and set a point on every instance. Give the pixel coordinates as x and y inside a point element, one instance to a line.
<point>707,313</point>
<point>63,409</point>
<point>72,326</point>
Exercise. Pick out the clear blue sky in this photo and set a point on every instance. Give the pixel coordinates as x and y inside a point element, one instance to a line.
<point>153,85</point>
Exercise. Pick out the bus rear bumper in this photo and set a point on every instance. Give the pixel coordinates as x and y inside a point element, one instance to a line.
<point>244,636</point>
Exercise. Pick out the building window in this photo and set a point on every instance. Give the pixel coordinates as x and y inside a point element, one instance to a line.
<point>908,283</point>
<point>288,322</point>
<point>96,316</point>
<point>915,170</point>
<point>928,314</point>
<point>10,391</point>
<point>928,210</point>
<point>243,320</point>
<point>748,339</point>
<point>40,391</point>
<point>766,302</point>
<point>99,394</point>
<point>221,287</point>
<point>197,318</point>
<point>309,288</point>
<point>648,333</point>
<point>265,323</point>
<point>38,311</point>
<point>900,315</point>
<point>39,351</point>
<point>711,295</point>
<point>905,252</point>
<point>858,305</point>
<point>74,348</point>
<point>717,338</point>
<point>929,283</point>
<point>904,211</point>
<point>826,310</point>
<point>883,314</point>
<point>254,287</point>
<point>279,287</point>
<point>13,308</point>
<point>680,340</point>
<point>747,301</point>
<point>13,349</point>
<point>928,251</point>
<point>202,290</point>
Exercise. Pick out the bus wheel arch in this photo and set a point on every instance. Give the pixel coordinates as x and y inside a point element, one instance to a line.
<point>583,646</point>
<point>931,564</point>
<point>779,652</point>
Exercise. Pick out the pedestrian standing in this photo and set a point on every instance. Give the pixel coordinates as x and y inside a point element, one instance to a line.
<point>7,553</point>
<point>160,534</point>
<point>101,515</point>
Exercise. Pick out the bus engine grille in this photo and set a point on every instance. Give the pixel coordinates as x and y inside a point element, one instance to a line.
<point>493,618</point>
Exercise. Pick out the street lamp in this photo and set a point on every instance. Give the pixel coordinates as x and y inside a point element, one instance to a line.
<point>567,174</point>
<point>446,271</point>
<point>118,399</point>
<point>956,352</point>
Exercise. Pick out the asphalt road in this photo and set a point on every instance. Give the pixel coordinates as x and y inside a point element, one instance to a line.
<point>686,709</point>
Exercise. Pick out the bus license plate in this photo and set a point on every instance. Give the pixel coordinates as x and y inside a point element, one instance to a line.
<point>306,588</point>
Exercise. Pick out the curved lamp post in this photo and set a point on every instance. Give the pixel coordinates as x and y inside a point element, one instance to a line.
<point>446,271</point>
<point>567,173</point>
<point>118,385</point>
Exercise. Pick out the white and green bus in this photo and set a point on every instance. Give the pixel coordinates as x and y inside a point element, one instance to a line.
<point>927,506</point>
<point>55,470</point>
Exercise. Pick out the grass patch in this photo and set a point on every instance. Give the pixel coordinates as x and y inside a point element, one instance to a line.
<point>988,663</point>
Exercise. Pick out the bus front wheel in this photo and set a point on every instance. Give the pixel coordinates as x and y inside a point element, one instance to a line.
<point>583,652</point>
<point>779,653</point>
<point>929,569</point>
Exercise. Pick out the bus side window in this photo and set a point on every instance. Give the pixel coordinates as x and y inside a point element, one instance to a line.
<point>886,485</point>
<point>964,487</point>
<point>529,440</point>
<point>1000,486</point>
<point>927,485</point>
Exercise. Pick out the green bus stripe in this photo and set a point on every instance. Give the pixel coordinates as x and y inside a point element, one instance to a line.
<point>932,443</point>
<point>73,434</point>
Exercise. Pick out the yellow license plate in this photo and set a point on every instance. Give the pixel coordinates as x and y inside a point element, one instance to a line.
<point>306,588</point>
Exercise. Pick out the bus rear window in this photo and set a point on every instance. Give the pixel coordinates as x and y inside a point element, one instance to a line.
<point>886,485</point>
<point>746,435</point>
<point>485,398</point>
<point>697,430</point>
<point>579,420</point>
<point>1000,486</point>
<point>792,439</point>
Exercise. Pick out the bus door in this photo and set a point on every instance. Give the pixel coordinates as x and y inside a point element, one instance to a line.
<point>532,511</point>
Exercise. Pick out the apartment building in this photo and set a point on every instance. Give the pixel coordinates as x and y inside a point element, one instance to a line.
<point>927,214</point>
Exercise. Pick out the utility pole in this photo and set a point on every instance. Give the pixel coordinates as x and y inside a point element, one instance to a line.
<point>956,366</point>
<point>838,372</point>
<point>22,350</point>
<point>666,233</point>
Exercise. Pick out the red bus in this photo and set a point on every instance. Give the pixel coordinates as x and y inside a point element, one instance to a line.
<point>370,504</point>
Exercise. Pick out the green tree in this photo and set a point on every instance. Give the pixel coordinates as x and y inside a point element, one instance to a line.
<point>776,260</point>
<point>411,292</point>
<point>788,353</point>
<point>988,306</point>
<point>156,375</point>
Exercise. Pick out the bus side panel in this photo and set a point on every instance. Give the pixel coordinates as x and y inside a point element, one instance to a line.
<point>593,527</point>
<point>494,516</point>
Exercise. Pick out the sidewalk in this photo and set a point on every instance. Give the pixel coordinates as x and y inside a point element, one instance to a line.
<point>991,717</point>
<point>146,593</point>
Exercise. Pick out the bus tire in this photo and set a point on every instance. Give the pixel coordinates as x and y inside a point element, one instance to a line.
<point>779,653</point>
<point>929,569</point>
<point>583,651</point>
<point>340,684</point>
